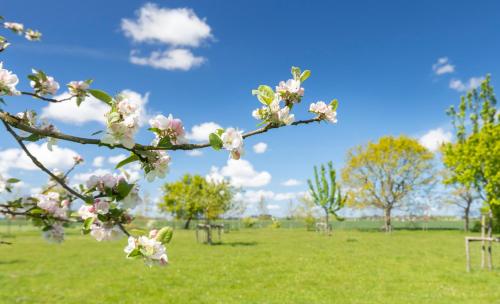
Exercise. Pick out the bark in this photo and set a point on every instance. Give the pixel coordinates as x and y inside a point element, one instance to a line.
<point>387,218</point>
<point>188,221</point>
<point>466,218</point>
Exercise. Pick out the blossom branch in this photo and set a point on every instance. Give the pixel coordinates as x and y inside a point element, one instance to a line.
<point>16,122</point>
<point>53,100</point>
<point>41,166</point>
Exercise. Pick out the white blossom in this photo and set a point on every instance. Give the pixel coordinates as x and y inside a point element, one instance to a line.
<point>152,251</point>
<point>78,87</point>
<point>232,140</point>
<point>87,211</point>
<point>105,231</point>
<point>169,127</point>
<point>45,87</point>
<point>8,82</point>
<point>55,234</point>
<point>51,202</point>
<point>323,111</point>
<point>14,26</point>
<point>158,166</point>
<point>32,35</point>
<point>290,91</point>
<point>122,123</point>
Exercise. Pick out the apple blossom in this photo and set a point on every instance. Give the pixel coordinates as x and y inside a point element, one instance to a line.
<point>87,211</point>
<point>122,122</point>
<point>290,91</point>
<point>232,140</point>
<point>105,231</point>
<point>273,113</point>
<point>54,233</point>
<point>324,111</point>
<point>33,35</point>
<point>79,88</point>
<point>45,85</point>
<point>17,28</point>
<point>152,251</point>
<point>157,166</point>
<point>50,202</point>
<point>8,82</point>
<point>168,127</point>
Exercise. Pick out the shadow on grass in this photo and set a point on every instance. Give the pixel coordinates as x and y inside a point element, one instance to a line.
<point>9,262</point>
<point>235,244</point>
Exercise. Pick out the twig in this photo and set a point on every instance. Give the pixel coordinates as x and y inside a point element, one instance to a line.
<point>41,166</point>
<point>47,98</point>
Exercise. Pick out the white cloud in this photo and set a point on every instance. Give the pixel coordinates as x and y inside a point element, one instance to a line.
<point>91,109</point>
<point>442,66</point>
<point>98,161</point>
<point>291,182</point>
<point>175,28</point>
<point>58,158</point>
<point>180,26</point>
<point>458,85</point>
<point>260,147</point>
<point>433,139</point>
<point>273,207</point>
<point>81,178</point>
<point>194,153</point>
<point>116,159</point>
<point>254,196</point>
<point>200,132</point>
<point>173,59</point>
<point>240,174</point>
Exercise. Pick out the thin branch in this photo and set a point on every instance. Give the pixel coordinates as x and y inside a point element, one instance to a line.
<point>16,122</point>
<point>34,95</point>
<point>41,166</point>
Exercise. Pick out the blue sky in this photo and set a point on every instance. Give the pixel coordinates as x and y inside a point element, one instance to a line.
<point>376,57</point>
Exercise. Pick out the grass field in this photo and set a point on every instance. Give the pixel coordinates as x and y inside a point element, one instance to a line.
<point>252,266</point>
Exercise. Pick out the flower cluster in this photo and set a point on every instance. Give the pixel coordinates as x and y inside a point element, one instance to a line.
<point>17,28</point>
<point>232,140</point>
<point>52,204</point>
<point>287,92</point>
<point>122,122</point>
<point>324,111</point>
<point>32,35</point>
<point>8,82</point>
<point>169,129</point>
<point>54,233</point>
<point>157,165</point>
<point>290,91</point>
<point>104,215</point>
<point>79,89</point>
<point>43,84</point>
<point>273,113</point>
<point>29,118</point>
<point>150,248</point>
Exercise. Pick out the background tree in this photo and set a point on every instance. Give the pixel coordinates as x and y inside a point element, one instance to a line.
<point>473,160</point>
<point>381,174</point>
<point>327,194</point>
<point>464,198</point>
<point>193,197</point>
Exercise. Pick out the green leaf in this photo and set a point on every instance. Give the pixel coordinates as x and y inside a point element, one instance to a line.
<point>87,223</point>
<point>265,94</point>
<point>334,104</point>
<point>134,253</point>
<point>215,141</point>
<point>33,77</point>
<point>33,137</point>
<point>296,72</point>
<point>13,180</point>
<point>101,95</point>
<point>123,188</point>
<point>219,131</point>
<point>305,75</point>
<point>128,160</point>
<point>165,142</point>
<point>96,132</point>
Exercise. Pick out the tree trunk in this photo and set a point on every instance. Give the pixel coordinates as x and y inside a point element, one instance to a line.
<point>209,233</point>
<point>327,220</point>
<point>387,218</point>
<point>188,221</point>
<point>466,218</point>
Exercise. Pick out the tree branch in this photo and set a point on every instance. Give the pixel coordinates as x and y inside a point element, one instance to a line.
<point>41,166</point>
<point>16,122</point>
<point>34,95</point>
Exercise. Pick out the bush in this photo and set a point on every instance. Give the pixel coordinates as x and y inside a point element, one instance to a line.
<point>276,223</point>
<point>310,223</point>
<point>477,226</point>
<point>249,222</point>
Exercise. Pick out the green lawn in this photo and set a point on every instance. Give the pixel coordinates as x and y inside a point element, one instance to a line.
<point>252,266</point>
